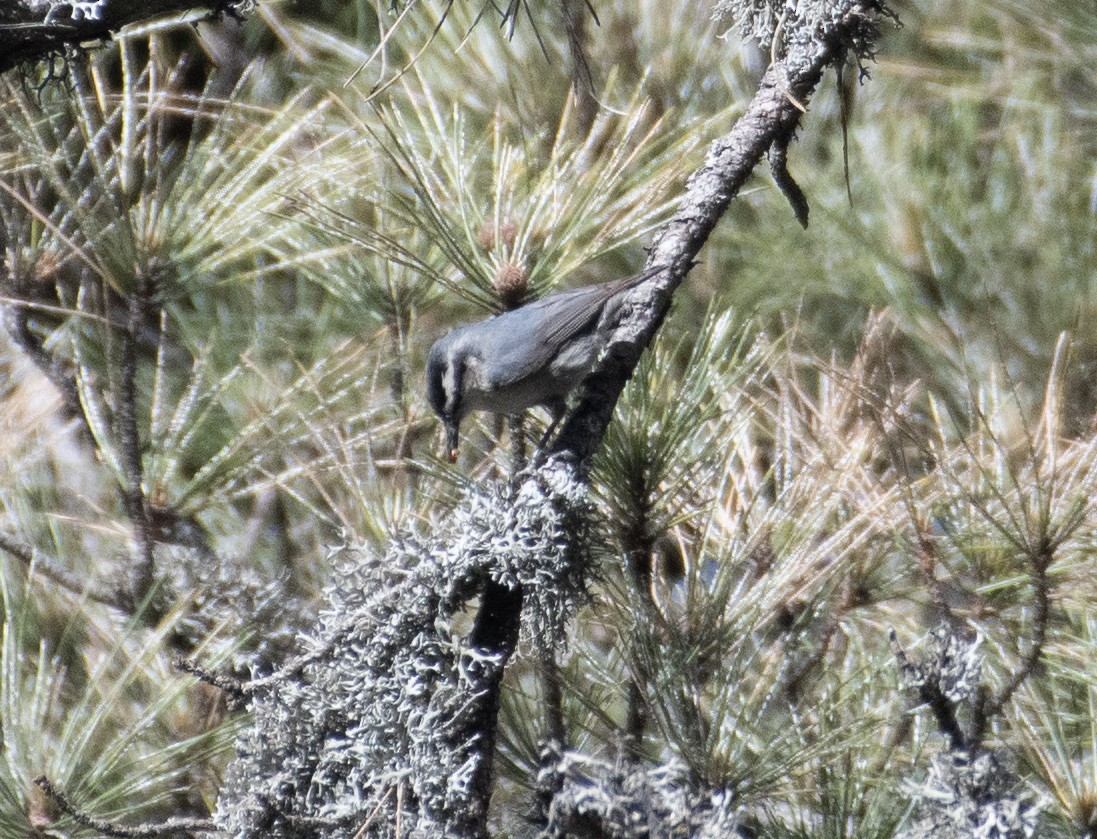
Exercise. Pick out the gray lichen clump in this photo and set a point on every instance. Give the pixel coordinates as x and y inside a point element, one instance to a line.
<point>951,668</point>
<point>625,800</point>
<point>765,20</point>
<point>369,727</point>
<point>968,793</point>
<point>972,796</point>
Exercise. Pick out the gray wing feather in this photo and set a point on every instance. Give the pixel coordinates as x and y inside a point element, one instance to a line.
<point>562,316</point>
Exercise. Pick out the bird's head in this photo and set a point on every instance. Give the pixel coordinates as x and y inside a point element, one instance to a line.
<point>445,369</point>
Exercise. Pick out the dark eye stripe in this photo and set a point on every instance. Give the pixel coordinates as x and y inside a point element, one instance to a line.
<point>458,389</point>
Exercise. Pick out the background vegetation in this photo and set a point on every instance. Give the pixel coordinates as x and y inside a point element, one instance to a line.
<point>221,281</point>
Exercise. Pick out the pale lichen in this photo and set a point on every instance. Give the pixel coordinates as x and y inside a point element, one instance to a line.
<point>371,727</point>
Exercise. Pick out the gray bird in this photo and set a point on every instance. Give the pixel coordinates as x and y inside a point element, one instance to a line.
<point>532,355</point>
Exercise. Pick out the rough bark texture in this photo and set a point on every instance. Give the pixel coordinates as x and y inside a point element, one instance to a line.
<point>771,118</point>
<point>35,29</point>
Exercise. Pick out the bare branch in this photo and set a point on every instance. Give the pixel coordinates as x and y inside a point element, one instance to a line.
<point>32,29</point>
<point>142,831</point>
<point>991,706</point>
<point>125,412</point>
<point>233,687</point>
<point>778,165</point>
<point>54,571</point>
<point>772,116</point>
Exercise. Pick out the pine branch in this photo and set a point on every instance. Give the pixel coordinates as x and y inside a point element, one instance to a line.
<point>187,827</point>
<point>991,706</point>
<point>771,118</point>
<point>133,496</point>
<point>31,30</point>
<point>55,572</point>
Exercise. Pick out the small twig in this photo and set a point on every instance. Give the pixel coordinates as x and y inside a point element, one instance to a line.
<point>582,79</point>
<point>844,117</point>
<point>52,367</point>
<point>778,165</point>
<point>141,831</point>
<point>774,55</point>
<point>297,665</point>
<point>373,814</point>
<point>397,384</point>
<point>989,707</point>
<point>142,574</point>
<point>846,602</point>
<point>233,687</point>
<point>54,571</point>
<point>778,31</point>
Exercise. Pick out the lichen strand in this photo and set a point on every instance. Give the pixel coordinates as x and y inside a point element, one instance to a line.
<point>372,723</point>
<point>762,20</point>
<point>969,792</point>
<point>952,667</point>
<point>625,800</point>
<point>972,796</point>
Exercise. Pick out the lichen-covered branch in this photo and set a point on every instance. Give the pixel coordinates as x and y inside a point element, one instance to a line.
<point>596,798</point>
<point>969,791</point>
<point>172,827</point>
<point>809,46</point>
<point>35,29</point>
<point>394,720</point>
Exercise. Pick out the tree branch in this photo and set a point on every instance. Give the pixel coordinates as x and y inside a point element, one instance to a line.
<point>990,707</point>
<point>55,572</point>
<point>186,827</point>
<point>125,410</point>
<point>35,29</point>
<point>771,118</point>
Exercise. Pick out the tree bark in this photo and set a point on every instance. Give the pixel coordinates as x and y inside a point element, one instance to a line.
<point>31,30</point>
<point>770,120</point>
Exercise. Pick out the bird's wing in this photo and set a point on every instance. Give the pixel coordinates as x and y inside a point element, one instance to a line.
<point>564,315</point>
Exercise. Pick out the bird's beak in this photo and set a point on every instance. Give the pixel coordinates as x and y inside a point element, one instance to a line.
<point>451,439</point>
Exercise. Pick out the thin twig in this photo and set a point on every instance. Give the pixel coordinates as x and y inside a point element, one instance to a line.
<point>778,165</point>
<point>142,574</point>
<point>18,324</point>
<point>992,706</point>
<point>54,571</point>
<point>233,687</point>
<point>141,831</point>
<point>847,599</point>
<point>582,79</point>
